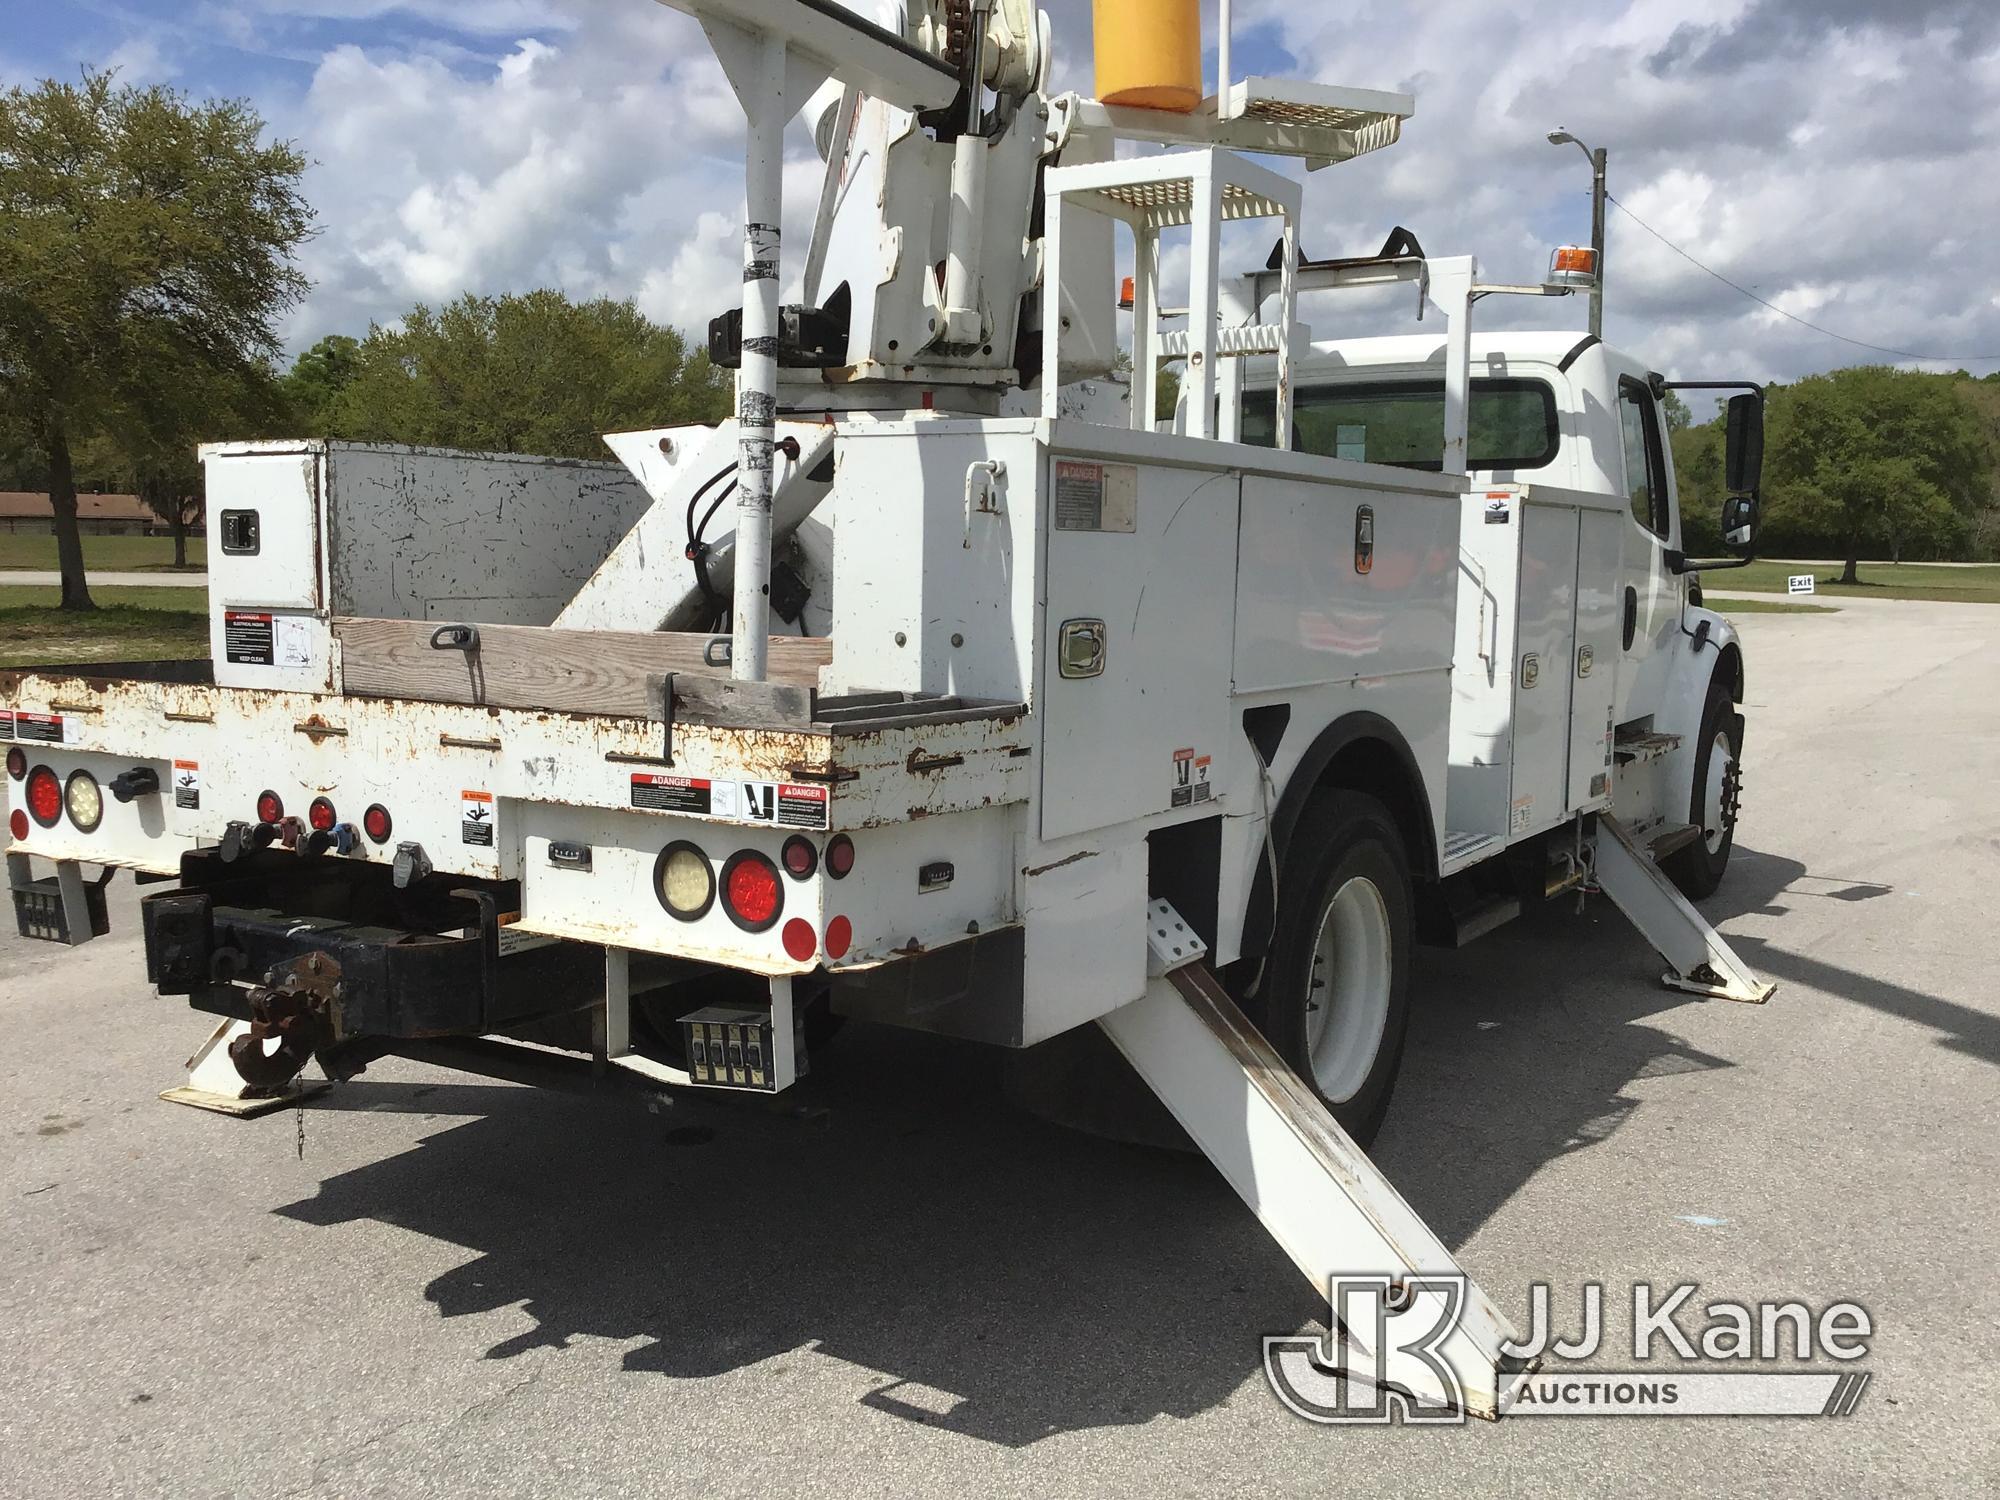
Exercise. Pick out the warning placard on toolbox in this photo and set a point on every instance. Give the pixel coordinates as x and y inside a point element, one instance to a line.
<point>475,818</point>
<point>1095,497</point>
<point>246,637</point>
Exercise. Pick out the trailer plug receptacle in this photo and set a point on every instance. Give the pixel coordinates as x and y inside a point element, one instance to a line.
<point>140,781</point>
<point>412,864</point>
<point>345,837</point>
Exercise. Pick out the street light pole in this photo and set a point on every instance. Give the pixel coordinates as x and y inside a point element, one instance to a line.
<point>1597,194</point>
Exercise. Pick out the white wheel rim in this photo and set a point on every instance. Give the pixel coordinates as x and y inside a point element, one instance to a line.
<point>1347,990</point>
<point>1721,756</point>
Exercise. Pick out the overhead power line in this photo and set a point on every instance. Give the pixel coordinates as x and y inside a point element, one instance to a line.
<point>1943,359</point>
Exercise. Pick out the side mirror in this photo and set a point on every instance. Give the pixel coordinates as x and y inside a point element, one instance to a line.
<point>1739,523</point>
<point>1743,449</point>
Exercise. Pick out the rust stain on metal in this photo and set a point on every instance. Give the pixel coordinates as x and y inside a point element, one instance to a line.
<point>1070,860</point>
<point>318,728</point>
<point>918,762</point>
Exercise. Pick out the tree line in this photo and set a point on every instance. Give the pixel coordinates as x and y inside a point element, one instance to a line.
<point>148,248</point>
<point>1860,463</point>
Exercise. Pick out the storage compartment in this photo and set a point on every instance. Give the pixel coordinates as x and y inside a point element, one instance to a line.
<point>308,530</point>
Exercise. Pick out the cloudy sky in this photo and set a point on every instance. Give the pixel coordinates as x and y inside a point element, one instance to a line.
<point>1839,157</point>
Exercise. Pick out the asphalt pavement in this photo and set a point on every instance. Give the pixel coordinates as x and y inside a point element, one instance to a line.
<point>429,1285</point>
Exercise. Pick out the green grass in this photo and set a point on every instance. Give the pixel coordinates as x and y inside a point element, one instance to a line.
<point>1977,584</point>
<point>1765,607</point>
<point>136,624</point>
<point>108,554</point>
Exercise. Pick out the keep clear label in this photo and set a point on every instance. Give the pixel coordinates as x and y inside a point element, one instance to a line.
<point>475,818</point>
<point>259,638</point>
<point>781,803</point>
<point>187,784</point>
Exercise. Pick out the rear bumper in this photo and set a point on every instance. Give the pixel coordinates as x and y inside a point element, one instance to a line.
<point>427,962</point>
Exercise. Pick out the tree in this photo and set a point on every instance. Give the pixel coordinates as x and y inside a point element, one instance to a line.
<point>1679,418</point>
<point>321,374</point>
<point>535,373</point>
<point>1877,457</point>
<point>145,247</point>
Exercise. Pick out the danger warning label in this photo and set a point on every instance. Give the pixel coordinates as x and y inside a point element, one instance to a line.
<point>679,794</point>
<point>475,818</point>
<point>40,729</point>
<point>258,638</point>
<point>781,803</point>
<point>187,784</point>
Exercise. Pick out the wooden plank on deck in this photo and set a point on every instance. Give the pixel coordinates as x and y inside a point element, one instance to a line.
<point>539,667</point>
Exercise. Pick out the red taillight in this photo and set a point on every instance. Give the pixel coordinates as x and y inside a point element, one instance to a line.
<point>799,939</point>
<point>44,796</point>
<point>17,762</point>
<point>750,891</point>
<point>321,815</point>
<point>270,807</point>
<point>839,937</point>
<point>376,823</point>
<point>839,856</point>
<point>18,825</point>
<point>800,857</point>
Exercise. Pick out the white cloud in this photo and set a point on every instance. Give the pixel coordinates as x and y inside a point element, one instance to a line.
<point>1840,157</point>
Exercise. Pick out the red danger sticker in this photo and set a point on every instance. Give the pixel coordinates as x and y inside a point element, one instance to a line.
<point>44,729</point>
<point>783,804</point>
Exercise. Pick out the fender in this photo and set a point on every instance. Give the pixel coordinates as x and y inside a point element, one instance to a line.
<point>1686,693</point>
<point>1364,731</point>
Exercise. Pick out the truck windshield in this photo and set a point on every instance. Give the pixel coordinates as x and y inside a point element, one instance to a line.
<point>1513,423</point>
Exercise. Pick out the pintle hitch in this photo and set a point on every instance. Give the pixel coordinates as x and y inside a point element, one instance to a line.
<point>293,1014</point>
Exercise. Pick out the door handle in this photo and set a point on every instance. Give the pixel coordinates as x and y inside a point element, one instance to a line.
<point>1631,615</point>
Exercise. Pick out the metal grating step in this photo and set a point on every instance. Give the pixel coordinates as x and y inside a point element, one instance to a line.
<point>1463,848</point>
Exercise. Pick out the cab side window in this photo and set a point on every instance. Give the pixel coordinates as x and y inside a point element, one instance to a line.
<point>1645,466</point>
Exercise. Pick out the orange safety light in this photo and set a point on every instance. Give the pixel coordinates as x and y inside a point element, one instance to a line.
<point>1126,294</point>
<point>1573,266</point>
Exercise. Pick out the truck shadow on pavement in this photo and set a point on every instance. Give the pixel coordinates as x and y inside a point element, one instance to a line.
<point>985,1272</point>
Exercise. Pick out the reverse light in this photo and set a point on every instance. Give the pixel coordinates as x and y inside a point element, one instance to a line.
<point>17,762</point>
<point>751,895</point>
<point>839,856</point>
<point>45,796</point>
<point>684,881</point>
<point>799,940</point>
<point>800,857</point>
<point>270,807</point>
<point>321,815</point>
<point>84,799</point>
<point>377,823</point>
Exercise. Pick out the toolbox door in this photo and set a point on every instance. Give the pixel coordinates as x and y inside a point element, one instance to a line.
<point>1137,635</point>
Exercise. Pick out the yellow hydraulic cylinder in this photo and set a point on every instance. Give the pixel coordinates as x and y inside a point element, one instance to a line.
<point>1149,53</point>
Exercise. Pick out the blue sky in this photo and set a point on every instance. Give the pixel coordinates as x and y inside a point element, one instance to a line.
<point>1841,157</point>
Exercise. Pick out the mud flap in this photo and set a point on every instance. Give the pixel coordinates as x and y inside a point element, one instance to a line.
<point>1319,1195</point>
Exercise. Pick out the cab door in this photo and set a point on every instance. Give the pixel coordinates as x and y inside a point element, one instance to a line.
<point>1650,594</point>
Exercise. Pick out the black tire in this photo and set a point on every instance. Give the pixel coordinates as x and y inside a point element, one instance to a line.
<point>1696,868</point>
<point>1340,836</point>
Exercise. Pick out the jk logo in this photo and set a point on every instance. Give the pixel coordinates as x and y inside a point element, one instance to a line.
<point>1382,1362</point>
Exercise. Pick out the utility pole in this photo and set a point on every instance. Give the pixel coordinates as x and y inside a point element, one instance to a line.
<point>1597,194</point>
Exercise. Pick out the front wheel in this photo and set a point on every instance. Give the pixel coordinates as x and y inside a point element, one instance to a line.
<point>1336,990</point>
<point>1718,777</point>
